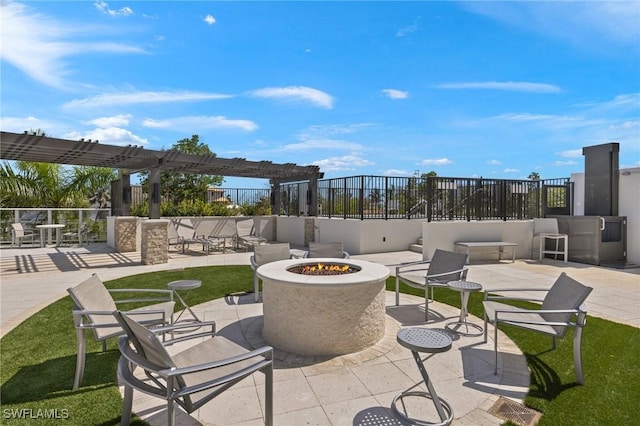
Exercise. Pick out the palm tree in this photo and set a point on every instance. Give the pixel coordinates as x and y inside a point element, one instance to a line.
<point>31,184</point>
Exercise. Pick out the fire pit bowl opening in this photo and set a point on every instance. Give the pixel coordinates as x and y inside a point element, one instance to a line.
<point>320,314</point>
<point>324,268</point>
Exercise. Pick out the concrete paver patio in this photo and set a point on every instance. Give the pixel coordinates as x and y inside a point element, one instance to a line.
<point>352,389</point>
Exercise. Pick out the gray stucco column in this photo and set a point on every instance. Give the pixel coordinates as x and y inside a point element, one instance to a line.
<point>275,198</point>
<point>313,197</point>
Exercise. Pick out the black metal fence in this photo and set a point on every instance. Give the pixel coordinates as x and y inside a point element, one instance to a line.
<point>431,198</point>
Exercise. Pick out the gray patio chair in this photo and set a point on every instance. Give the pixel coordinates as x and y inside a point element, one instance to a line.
<point>190,378</point>
<point>175,239</point>
<point>259,233</point>
<point>562,307</point>
<point>93,310</point>
<point>326,250</point>
<point>266,254</point>
<point>547,229</point>
<point>443,267</point>
<point>19,234</point>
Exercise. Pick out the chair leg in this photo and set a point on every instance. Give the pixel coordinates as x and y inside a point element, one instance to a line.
<point>397,290</point>
<point>171,412</point>
<point>268,392</point>
<point>256,288</point>
<point>495,347</point>
<point>127,406</point>
<point>577,350</point>
<point>80,360</point>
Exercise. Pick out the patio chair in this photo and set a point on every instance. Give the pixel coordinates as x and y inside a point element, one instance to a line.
<point>547,229</point>
<point>190,378</point>
<point>93,310</point>
<point>562,307</point>
<point>326,250</point>
<point>19,234</point>
<point>443,267</point>
<point>221,230</point>
<point>175,239</point>
<point>266,254</point>
<point>258,233</point>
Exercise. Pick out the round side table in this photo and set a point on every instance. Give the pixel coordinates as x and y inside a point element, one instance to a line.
<point>184,285</point>
<point>418,339</point>
<point>465,288</point>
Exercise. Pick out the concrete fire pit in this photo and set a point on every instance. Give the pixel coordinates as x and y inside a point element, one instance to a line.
<point>323,314</point>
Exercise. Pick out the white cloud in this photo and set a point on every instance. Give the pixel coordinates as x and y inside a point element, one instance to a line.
<point>435,162</point>
<point>316,131</point>
<point>131,98</point>
<point>494,162</point>
<point>188,123</point>
<point>515,86</point>
<point>395,94</point>
<point>510,170</point>
<point>39,45</point>
<point>113,121</point>
<point>570,153</point>
<point>209,19</point>
<point>109,136</point>
<point>296,93</point>
<point>104,8</point>
<point>345,163</point>
<point>21,124</point>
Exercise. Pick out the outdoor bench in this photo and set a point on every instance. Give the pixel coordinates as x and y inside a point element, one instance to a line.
<point>468,245</point>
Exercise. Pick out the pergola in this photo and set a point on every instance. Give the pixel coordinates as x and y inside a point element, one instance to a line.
<point>134,159</point>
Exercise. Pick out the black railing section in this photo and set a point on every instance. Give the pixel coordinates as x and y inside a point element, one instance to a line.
<point>433,198</point>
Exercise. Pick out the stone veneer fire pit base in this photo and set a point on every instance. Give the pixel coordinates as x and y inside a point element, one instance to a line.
<point>323,315</point>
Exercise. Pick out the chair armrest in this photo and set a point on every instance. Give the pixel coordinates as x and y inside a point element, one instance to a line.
<point>537,311</point>
<point>490,294</point>
<point>412,265</point>
<point>461,271</point>
<point>168,293</point>
<point>265,350</point>
<point>84,313</point>
<point>177,327</point>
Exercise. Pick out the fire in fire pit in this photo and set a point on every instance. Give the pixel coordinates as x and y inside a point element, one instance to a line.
<point>323,269</point>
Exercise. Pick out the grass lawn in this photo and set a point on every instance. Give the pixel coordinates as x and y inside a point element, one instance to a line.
<point>37,361</point>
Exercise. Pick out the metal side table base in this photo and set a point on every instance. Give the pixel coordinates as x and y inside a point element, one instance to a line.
<point>465,288</point>
<point>418,340</point>
<point>185,285</point>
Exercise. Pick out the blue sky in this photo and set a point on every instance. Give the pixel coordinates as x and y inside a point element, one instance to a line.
<point>492,89</point>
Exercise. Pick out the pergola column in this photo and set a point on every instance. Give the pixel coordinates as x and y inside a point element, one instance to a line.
<point>275,197</point>
<point>154,193</point>
<point>313,197</point>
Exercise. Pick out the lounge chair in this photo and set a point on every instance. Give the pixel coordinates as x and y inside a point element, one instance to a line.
<point>190,378</point>
<point>94,307</point>
<point>443,267</point>
<point>562,307</point>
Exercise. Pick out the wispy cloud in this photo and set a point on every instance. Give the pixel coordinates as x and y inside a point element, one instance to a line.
<point>589,24</point>
<point>494,162</point>
<point>435,162</point>
<point>295,93</point>
<point>39,45</point>
<point>189,123</point>
<point>345,163</point>
<point>104,8</point>
<point>409,29</point>
<point>132,98</point>
<point>514,86</point>
<point>317,144</point>
<point>395,93</point>
<point>565,163</point>
<point>511,170</point>
<point>209,19</point>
